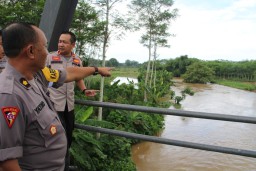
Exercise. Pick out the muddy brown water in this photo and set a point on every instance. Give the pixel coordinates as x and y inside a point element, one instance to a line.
<point>210,98</point>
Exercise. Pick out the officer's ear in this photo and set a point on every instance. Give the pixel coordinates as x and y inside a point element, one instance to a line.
<point>30,51</point>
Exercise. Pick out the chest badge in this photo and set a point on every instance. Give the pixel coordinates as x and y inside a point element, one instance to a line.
<point>10,114</point>
<point>53,129</point>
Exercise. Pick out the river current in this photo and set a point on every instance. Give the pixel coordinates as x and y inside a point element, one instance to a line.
<point>210,98</point>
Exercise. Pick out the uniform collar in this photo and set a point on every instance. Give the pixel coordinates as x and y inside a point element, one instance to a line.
<point>12,72</point>
<point>72,54</point>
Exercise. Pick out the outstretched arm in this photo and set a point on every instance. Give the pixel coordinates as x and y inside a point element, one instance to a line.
<point>78,73</point>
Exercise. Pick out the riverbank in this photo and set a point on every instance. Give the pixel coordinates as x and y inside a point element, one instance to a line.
<point>125,72</point>
<point>249,86</point>
<point>133,73</point>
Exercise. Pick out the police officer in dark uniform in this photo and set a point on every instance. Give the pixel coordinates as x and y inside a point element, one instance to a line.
<point>31,134</point>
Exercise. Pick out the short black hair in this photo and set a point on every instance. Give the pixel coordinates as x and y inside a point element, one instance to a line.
<point>72,35</point>
<point>16,36</point>
<point>0,32</point>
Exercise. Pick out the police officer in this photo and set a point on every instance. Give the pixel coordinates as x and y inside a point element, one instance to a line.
<point>2,56</point>
<point>31,134</point>
<point>63,97</point>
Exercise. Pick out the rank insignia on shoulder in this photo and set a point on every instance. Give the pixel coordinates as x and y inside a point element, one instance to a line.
<point>10,114</point>
<point>76,62</point>
<point>53,129</point>
<point>25,83</point>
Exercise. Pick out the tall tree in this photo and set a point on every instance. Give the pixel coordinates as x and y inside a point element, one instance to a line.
<point>87,27</point>
<point>113,22</point>
<point>151,15</point>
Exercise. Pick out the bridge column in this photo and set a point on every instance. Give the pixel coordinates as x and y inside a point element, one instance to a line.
<point>57,17</point>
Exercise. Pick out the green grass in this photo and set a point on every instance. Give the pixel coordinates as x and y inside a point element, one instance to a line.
<point>116,72</point>
<point>125,72</point>
<point>250,86</point>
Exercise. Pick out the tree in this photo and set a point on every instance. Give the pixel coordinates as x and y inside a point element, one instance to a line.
<point>154,16</point>
<point>22,11</point>
<point>112,20</point>
<point>198,73</point>
<point>112,62</point>
<point>88,29</point>
<point>131,63</point>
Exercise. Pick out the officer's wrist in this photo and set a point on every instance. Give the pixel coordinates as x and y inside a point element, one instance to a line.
<point>83,91</point>
<point>96,70</point>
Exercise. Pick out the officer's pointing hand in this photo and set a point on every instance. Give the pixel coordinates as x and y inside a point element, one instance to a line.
<point>105,71</point>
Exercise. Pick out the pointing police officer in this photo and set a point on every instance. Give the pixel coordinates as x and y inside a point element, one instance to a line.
<point>31,134</point>
<point>63,96</point>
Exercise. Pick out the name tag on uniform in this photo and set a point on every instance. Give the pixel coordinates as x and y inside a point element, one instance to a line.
<point>56,59</point>
<point>39,107</point>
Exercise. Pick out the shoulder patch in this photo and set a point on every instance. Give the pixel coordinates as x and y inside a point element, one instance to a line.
<point>25,83</point>
<point>76,62</point>
<point>10,115</point>
<point>51,75</point>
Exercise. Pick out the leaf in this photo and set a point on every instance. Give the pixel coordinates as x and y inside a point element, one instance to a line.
<point>87,113</point>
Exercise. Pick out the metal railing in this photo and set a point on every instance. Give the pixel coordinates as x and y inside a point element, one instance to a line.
<point>150,110</point>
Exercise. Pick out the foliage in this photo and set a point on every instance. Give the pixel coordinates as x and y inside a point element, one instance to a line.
<point>137,122</point>
<point>237,71</point>
<point>198,73</point>
<point>21,11</point>
<point>131,72</point>
<point>188,91</point>
<point>86,150</point>
<point>118,150</point>
<point>161,88</point>
<point>153,16</point>
<point>112,62</point>
<point>88,29</point>
<point>178,66</point>
<point>130,63</point>
<point>178,99</point>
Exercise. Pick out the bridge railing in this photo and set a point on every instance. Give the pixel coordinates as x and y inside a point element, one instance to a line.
<point>164,111</point>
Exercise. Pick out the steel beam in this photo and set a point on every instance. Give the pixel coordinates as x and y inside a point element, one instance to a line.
<point>57,17</point>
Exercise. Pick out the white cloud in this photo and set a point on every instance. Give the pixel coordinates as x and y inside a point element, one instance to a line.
<point>216,33</point>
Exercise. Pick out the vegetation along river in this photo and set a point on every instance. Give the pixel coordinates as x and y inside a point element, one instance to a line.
<point>210,98</point>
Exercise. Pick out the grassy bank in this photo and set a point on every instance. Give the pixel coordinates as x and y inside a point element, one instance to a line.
<point>125,72</point>
<point>250,86</point>
<point>116,72</point>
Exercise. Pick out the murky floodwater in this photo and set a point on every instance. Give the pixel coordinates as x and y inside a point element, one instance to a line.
<point>208,98</point>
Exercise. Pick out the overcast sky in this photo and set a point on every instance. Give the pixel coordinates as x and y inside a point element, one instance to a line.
<point>204,29</point>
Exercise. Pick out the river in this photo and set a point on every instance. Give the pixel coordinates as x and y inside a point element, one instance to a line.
<point>210,98</point>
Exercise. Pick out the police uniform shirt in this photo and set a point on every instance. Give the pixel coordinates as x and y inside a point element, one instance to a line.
<point>2,63</point>
<point>64,94</point>
<point>30,129</point>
